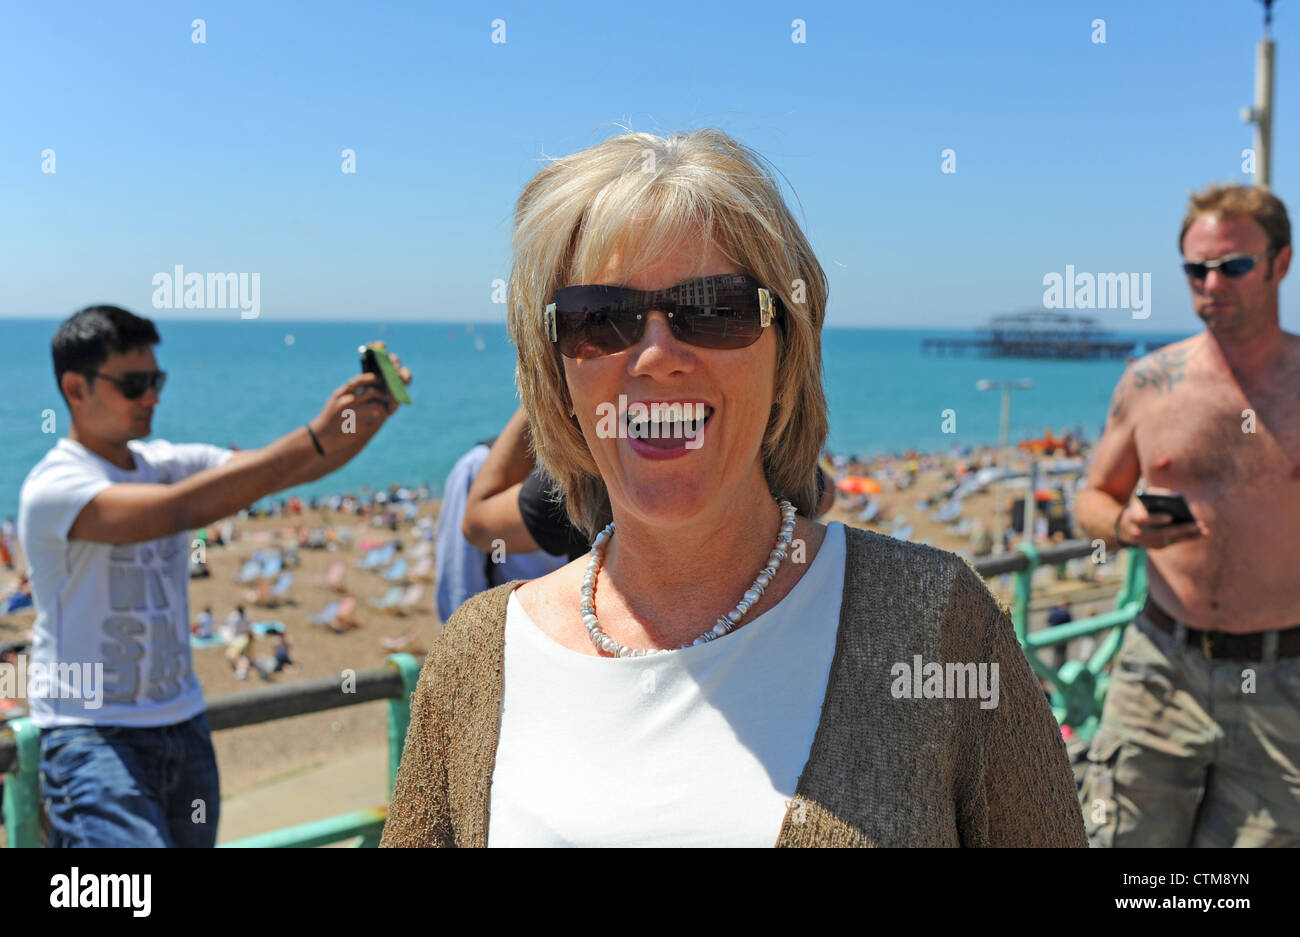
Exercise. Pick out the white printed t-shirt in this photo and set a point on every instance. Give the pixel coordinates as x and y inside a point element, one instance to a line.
<point>125,608</point>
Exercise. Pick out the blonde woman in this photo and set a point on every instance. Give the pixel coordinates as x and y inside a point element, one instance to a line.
<point>719,670</point>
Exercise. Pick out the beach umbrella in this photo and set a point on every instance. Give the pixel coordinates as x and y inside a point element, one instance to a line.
<point>859,485</point>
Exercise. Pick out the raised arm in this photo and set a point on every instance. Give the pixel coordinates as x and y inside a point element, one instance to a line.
<point>130,513</point>
<point>492,507</point>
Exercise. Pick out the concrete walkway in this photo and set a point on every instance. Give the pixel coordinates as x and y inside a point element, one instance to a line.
<point>355,782</point>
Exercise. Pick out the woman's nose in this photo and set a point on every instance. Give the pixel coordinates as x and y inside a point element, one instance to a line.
<point>658,342</point>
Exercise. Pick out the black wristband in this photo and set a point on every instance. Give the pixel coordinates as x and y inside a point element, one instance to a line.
<point>1118,539</point>
<point>314,441</point>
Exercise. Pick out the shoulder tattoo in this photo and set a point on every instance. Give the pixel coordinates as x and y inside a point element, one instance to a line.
<point>1164,369</point>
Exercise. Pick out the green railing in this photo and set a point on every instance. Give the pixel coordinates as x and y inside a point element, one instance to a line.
<point>1078,687</point>
<point>20,759</point>
<point>1078,692</point>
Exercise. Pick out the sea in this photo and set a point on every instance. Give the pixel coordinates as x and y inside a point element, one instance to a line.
<point>245,382</point>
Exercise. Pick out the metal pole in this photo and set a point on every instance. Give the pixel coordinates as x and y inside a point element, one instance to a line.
<point>1264,111</point>
<point>1261,115</point>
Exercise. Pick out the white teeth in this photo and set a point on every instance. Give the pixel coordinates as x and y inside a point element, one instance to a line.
<point>653,430</point>
<point>644,414</point>
<point>643,425</point>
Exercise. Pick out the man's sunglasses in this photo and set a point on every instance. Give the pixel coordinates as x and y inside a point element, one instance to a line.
<point>1232,267</point>
<point>133,384</point>
<point>729,311</point>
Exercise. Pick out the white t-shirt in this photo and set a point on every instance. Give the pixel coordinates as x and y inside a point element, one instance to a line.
<point>702,746</point>
<point>120,610</point>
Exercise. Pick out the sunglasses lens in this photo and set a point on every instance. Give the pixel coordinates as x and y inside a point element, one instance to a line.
<point>731,320</point>
<point>594,321</point>
<point>135,383</point>
<point>1237,267</point>
<point>712,312</point>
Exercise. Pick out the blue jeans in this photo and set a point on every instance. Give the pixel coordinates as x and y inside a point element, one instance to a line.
<point>107,786</point>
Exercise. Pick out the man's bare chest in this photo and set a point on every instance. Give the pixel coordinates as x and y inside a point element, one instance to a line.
<point>1216,434</point>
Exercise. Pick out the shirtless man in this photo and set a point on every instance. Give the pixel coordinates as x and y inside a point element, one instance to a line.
<point>1200,739</point>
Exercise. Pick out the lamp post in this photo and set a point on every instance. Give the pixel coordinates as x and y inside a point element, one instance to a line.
<point>1004,427</point>
<point>1006,387</point>
<point>1261,115</point>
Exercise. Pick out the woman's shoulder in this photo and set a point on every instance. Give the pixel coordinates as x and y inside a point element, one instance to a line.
<point>896,585</point>
<point>900,563</point>
<point>475,631</point>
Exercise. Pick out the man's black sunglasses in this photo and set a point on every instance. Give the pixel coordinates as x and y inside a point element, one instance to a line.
<point>1232,267</point>
<point>133,384</point>
<point>727,312</point>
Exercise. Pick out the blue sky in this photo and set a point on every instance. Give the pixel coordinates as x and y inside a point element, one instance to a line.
<point>226,155</point>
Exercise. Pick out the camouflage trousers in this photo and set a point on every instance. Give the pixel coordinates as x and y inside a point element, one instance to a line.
<point>1192,751</point>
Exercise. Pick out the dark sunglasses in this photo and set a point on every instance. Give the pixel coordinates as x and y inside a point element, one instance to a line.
<point>1232,267</point>
<point>133,384</point>
<point>728,311</point>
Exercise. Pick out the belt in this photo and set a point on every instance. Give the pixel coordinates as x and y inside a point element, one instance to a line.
<point>1222,645</point>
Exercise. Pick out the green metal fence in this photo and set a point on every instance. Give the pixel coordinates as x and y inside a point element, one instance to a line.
<point>395,682</point>
<point>1078,692</point>
<point>1078,687</point>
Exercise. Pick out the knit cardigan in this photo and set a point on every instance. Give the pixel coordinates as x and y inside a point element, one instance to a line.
<point>885,769</point>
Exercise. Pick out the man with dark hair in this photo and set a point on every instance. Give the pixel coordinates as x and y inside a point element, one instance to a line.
<point>1199,742</point>
<point>104,522</point>
<point>84,342</point>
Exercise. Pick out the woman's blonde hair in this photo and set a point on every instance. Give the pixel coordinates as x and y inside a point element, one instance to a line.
<point>645,196</point>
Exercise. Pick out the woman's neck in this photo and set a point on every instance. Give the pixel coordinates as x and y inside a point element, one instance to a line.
<point>674,582</point>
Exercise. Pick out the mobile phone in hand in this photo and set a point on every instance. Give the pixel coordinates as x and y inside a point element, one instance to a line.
<point>375,360</point>
<point>1173,504</point>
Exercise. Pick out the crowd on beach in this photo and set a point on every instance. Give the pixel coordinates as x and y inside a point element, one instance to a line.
<point>1056,472</point>
<point>397,501</point>
<point>901,468</point>
<point>267,574</point>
